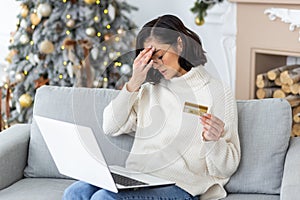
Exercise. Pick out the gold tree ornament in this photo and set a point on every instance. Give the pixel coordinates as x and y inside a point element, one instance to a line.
<point>25,100</point>
<point>35,19</point>
<point>199,21</point>
<point>24,11</point>
<point>90,1</point>
<point>46,47</point>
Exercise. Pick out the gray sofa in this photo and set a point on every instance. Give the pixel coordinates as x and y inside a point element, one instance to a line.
<point>269,168</point>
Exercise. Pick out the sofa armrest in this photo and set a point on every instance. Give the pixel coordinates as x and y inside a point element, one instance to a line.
<point>291,181</point>
<point>13,153</point>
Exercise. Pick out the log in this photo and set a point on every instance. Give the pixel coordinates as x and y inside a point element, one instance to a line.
<point>294,100</point>
<point>262,93</point>
<point>279,93</point>
<point>262,76</point>
<point>274,73</point>
<point>290,77</point>
<point>286,88</point>
<point>296,114</point>
<point>296,130</point>
<point>295,88</point>
<point>264,83</point>
<point>277,81</point>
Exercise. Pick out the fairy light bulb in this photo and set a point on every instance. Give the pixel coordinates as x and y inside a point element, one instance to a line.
<point>68,32</point>
<point>96,19</point>
<point>68,16</point>
<point>99,34</point>
<point>108,26</point>
<point>104,48</point>
<point>62,47</point>
<point>105,11</point>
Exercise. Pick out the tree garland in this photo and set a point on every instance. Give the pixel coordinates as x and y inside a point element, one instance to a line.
<point>200,8</point>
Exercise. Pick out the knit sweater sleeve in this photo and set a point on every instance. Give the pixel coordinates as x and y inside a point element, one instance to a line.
<point>223,156</point>
<point>120,115</point>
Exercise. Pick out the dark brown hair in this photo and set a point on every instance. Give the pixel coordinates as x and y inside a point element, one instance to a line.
<point>166,29</point>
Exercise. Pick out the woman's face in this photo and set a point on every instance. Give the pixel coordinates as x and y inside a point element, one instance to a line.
<point>165,59</point>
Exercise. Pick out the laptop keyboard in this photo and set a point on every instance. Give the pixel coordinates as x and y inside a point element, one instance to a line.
<point>126,181</point>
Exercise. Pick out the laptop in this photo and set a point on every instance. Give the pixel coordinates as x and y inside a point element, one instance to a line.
<point>76,154</point>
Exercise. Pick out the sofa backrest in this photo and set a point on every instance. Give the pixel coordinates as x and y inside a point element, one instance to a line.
<point>83,106</point>
<point>264,130</point>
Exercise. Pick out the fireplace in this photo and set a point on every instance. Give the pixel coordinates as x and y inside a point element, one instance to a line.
<point>265,39</point>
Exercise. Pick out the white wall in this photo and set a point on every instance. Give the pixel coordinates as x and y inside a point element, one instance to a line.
<point>9,10</point>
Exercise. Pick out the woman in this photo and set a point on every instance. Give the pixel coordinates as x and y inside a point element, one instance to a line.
<point>198,153</point>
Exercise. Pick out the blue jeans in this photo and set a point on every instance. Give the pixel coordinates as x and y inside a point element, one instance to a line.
<point>84,191</point>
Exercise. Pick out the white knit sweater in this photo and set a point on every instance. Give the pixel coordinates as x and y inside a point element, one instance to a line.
<point>168,142</point>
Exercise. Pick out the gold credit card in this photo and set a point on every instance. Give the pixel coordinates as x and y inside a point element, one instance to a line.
<point>194,109</point>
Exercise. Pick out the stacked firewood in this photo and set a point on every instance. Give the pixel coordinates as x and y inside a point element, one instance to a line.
<point>282,82</point>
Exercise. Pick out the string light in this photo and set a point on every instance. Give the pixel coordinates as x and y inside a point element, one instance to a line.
<point>6,86</point>
<point>98,2</point>
<point>62,47</point>
<point>33,27</point>
<point>60,76</point>
<point>65,63</point>
<point>120,31</point>
<point>118,64</point>
<point>108,26</point>
<point>27,57</point>
<point>68,32</point>
<point>65,1</point>
<point>25,72</point>
<point>118,53</point>
<point>68,16</point>
<point>104,48</point>
<point>105,11</point>
<point>105,63</point>
<point>31,43</point>
<point>99,34</point>
<point>117,39</point>
<point>96,19</point>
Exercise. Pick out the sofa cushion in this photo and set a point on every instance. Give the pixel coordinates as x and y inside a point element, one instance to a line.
<point>264,131</point>
<point>83,106</point>
<point>36,189</point>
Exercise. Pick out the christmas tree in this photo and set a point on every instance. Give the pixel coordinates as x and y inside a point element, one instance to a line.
<point>80,43</point>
